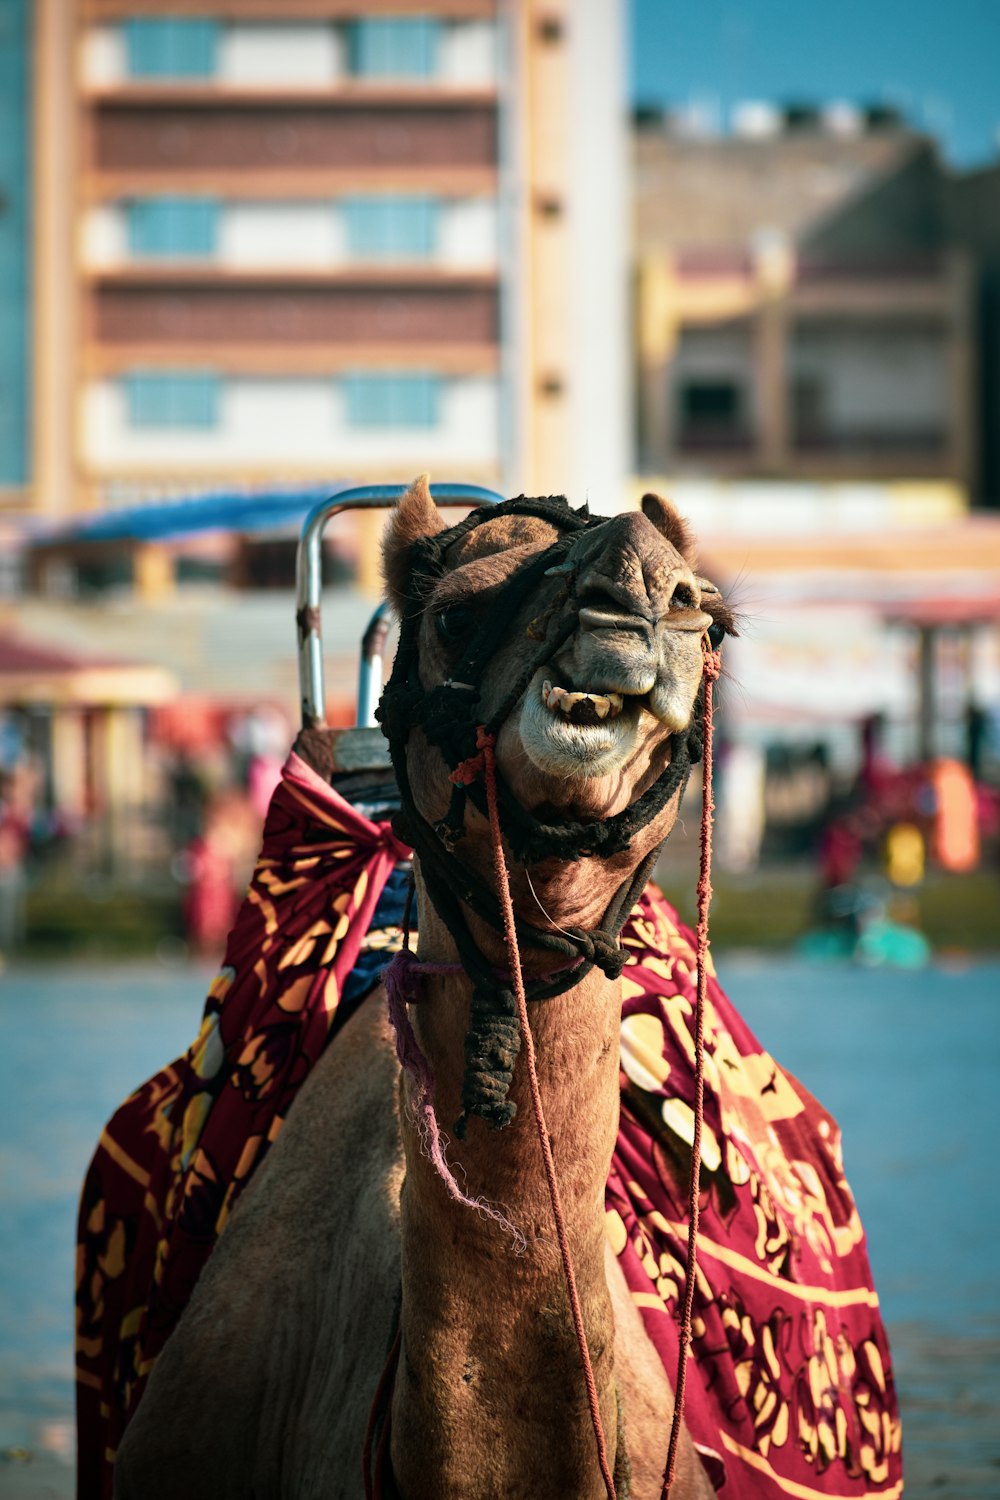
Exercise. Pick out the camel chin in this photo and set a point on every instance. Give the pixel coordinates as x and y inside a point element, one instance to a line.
<point>558,747</point>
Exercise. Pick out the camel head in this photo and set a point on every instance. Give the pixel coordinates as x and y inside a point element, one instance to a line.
<point>592,655</point>
<point>576,647</point>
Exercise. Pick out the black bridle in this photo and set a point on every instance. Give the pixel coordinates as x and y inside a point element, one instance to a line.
<point>451,719</point>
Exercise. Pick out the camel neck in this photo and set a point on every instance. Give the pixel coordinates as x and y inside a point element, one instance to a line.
<point>487,1337</point>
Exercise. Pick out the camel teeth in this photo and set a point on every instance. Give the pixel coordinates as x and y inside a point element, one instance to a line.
<point>565,700</point>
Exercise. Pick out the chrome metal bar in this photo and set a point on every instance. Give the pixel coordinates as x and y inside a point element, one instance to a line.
<point>309,580</point>
<point>372,666</point>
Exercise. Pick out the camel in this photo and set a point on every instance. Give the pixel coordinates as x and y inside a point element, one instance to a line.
<point>349,1231</point>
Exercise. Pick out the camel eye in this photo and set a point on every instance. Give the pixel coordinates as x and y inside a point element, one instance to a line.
<point>716,635</point>
<point>454,624</point>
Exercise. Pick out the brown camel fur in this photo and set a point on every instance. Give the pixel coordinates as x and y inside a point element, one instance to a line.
<point>264,1388</point>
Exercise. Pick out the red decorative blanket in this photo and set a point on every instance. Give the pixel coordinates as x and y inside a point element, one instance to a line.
<point>791,1390</point>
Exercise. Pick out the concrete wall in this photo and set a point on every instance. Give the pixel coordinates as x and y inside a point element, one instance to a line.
<point>184,134</point>
<point>296,53</point>
<point>599,364</point>
<point>294,423</point>
<point>718,193</point>
<point>298,234</point>
<point>883,379</point>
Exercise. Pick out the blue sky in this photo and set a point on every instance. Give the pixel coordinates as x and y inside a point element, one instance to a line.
<point>938,60</point>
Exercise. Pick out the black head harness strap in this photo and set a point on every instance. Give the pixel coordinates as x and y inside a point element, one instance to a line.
<point>449,716</point>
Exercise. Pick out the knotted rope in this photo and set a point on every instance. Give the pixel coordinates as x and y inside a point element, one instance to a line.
<point>528,1045</point>
<point>403,979</point>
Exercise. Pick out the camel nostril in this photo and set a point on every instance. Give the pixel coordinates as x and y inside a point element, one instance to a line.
<point>596,596</point>
<point>603,614</point>
<point>685,596</point>
<point>607,603</point>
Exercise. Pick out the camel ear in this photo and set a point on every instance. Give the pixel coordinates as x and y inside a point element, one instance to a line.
<point>670,525</point>
<point>415,516</point>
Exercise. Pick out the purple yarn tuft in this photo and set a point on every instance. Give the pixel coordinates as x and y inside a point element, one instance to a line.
<point>403,980</point>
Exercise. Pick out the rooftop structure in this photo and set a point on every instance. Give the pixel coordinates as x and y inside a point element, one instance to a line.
<point>806,306</point>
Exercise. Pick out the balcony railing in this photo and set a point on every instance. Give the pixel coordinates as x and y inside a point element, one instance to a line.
<point>704,437</point>
<point>712,263</point>
<point>878,442</point>
<point>915,267</point>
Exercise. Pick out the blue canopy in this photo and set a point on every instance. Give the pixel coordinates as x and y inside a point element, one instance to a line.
<point>169,520</point>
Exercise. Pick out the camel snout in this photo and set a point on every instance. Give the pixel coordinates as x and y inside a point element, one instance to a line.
<point>635,577</point>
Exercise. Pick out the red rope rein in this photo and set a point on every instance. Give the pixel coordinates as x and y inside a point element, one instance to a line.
<point>488,745</point>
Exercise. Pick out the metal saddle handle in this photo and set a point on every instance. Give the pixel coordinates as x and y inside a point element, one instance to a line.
<point>308,603</point>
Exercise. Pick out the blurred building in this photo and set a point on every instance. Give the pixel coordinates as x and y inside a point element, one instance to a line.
<point>809,311</point>
<point>817,303</point>
<point>73,740</point>
<point>308,241</point>
<point>974,219</point>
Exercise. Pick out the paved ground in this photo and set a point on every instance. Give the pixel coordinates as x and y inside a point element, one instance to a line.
<point>909,1065</point>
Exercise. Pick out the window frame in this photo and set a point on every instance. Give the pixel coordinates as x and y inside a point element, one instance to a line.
<point>165,47</point>
<point>162,400</point>
<point>392,226</point>
<point>395,47</point>
<point>172,219</point>
<point>378,401</point>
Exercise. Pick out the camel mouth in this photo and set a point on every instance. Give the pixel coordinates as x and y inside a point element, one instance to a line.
<point>577,730</point>
<point>581,708</point>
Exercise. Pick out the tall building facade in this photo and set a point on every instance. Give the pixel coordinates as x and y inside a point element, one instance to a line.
<point>303,241</point>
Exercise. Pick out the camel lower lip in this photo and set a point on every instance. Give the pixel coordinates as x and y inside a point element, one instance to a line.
<point>559,745</point>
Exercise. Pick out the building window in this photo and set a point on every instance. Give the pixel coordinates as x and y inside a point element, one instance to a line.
<point>172,226</point>
<point>411,400</point>
<point>172,47</point>
<point>391,228</point>
<point>172,398</point>
<point>550,30</point>
<point>394,47</point>
<point>864,390</point>
<point>712,413</point>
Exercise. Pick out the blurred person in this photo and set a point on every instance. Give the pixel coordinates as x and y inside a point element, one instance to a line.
<point>214,863</point>
<point>956,825</point>
<point>977,735</point>
<point>840,851</point>
<point>15,832</point>
<point>263,776</point>
<point>188,799</point>
<point>260,742</point>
